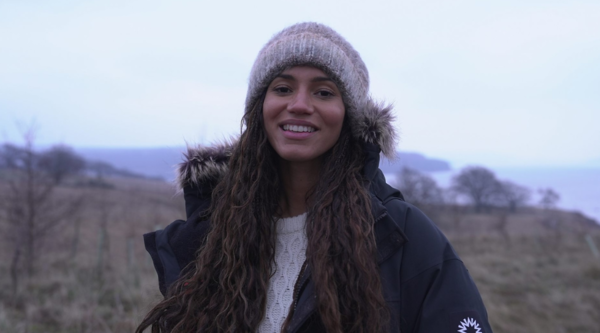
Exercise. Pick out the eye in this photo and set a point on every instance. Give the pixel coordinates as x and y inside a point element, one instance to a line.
<point>282,90</point>
<point>324,93</point>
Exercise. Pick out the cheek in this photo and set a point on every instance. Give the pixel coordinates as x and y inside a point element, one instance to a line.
<point>335,119</point>
<point>270,111</point>
<point>268,116</point>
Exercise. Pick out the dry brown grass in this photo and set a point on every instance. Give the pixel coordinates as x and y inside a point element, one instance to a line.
<point>535,274</point>
<point>70,293</point>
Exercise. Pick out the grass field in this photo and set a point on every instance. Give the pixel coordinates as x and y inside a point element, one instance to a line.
<point>549,282</point>
<point>535,269</point>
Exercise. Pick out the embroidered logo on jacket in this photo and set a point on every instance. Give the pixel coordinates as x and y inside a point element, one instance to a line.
<point>469,322</point>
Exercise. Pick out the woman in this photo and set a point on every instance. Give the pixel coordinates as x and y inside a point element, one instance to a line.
<point>293,227</point>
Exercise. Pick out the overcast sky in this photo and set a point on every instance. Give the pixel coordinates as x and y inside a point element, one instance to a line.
<point>499,83</point>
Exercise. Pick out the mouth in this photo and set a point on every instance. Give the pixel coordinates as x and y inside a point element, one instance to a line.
<point>298,128</point>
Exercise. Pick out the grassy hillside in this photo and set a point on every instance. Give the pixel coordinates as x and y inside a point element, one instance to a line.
<point>536,275</point>
<point>535,269</point>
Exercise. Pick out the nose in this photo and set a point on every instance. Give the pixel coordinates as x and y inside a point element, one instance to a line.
<point>301,103</point>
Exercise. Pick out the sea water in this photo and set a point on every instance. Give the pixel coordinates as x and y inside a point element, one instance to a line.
<point>579,189</point>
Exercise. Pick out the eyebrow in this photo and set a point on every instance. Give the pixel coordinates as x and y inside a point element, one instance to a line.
<point>316,79</point>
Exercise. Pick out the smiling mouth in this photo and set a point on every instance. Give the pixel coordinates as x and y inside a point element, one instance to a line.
<point>298,128</point>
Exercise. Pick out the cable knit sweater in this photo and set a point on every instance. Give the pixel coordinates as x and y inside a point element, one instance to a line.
<point>290,253</point>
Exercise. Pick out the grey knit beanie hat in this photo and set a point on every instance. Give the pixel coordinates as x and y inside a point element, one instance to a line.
<point>317,45</point>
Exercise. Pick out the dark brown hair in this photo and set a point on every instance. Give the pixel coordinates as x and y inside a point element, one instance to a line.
<point>225,288</point>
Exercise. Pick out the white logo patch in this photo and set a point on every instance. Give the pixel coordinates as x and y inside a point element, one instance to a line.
<point>466,323</point>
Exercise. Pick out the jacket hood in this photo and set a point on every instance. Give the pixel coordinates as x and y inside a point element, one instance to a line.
<point>207,164</point>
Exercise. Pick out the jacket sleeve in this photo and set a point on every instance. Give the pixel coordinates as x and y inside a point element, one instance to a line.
<point>174,247</point>
<point>439,295</point>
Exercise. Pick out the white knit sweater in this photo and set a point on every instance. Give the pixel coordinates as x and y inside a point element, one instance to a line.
<point>290,253</point>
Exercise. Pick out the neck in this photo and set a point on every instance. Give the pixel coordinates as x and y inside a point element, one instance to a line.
<point>298,179</point>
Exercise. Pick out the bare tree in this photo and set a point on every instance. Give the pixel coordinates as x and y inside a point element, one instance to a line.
<point>11,157</point>
<point>479,185</point>
<point>549,198</point>
<point>512,195</point>
<point>421,190</point>
<point>60,161</point>
<point>418,188</point>
<point>548,218</point>
<point>30,203</point>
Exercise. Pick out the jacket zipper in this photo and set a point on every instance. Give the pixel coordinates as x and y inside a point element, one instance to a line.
<point>298,285</point>
<point>380,217</point>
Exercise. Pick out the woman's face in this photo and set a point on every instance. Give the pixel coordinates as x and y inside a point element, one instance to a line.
<point>303,114</point>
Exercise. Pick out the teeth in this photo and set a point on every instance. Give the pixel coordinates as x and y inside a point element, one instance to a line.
<point>297,128</point>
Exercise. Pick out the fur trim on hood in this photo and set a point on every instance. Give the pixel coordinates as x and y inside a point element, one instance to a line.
<point>206,165</point>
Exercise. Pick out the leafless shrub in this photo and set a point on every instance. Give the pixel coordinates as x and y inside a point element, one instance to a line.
<point>479,185</point>
<point>30,204</point>
<point>420,190</point>
<point>549,198</point>
<point>60,161</point>
<point>512,196</point>
<point>549,219</point>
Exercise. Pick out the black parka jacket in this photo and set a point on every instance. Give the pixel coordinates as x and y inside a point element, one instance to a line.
<point>425,284</point>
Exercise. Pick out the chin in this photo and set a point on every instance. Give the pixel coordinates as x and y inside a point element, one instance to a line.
<point>298,156</point>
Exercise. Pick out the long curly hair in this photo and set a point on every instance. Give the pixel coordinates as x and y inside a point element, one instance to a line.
<point>225,288</point>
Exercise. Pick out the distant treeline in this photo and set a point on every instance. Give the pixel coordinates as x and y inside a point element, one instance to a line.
<point>161,162</point>
<point>60,161</point>
<point>474,185</point>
